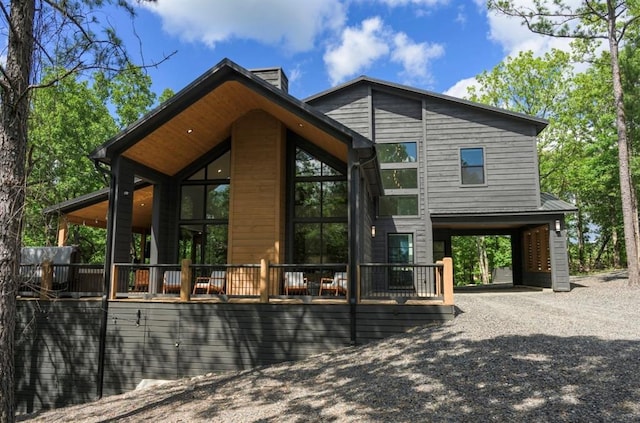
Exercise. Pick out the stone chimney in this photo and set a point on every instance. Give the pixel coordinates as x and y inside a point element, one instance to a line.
<point>274,76</point>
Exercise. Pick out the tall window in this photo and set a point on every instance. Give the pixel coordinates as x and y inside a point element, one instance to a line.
<point>399,171</point>
<point>400,250</point>
<point>320,208</point>
<point>472,166</point>
<point>204,213</point>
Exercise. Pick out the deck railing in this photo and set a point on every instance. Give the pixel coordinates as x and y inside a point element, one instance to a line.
<point>59,280</point>
<point>264,281</point>
<point>401,281</point>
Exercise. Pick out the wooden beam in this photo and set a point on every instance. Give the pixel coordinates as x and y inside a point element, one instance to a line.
<point>63,230</point>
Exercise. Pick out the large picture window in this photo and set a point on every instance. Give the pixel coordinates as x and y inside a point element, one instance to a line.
<point>204,213</point>
<point>472,166</point>
<point>320,209</point>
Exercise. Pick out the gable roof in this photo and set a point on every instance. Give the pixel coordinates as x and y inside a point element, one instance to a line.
<point>408,91</point>
<point>200,116</point>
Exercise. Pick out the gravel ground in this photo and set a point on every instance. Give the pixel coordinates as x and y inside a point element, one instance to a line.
<point>507,356</point>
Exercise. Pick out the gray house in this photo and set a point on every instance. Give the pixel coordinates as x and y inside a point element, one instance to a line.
<point>454,167</point>
<point>286,227</point>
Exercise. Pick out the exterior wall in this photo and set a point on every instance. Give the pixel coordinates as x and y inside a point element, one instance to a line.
<point>148,340</point>
<point>400,119</point>
<point>257,202</point>
<point>56,353</point>
<point>351,108</point>
<point>511,165</point>
<point>121,239</point>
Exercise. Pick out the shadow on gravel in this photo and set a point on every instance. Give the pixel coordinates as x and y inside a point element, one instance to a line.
<point>433,375</point>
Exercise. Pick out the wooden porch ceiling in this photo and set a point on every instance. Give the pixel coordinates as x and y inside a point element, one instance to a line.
<point>207,122</point>
<point>95,215</point>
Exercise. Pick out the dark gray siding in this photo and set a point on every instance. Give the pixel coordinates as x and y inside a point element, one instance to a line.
<point>400,119</point>
<point>59,341</point>
<point>56,353</point>
<point>350,107</point>
<point>124,177</point>
<point>510,160</point>
<point>559,260</point>
<point>273,76</point>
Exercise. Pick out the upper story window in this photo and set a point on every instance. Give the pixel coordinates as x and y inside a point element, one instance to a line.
<point>472,166</point>
<point>205,194</point>
<point>399,171</point>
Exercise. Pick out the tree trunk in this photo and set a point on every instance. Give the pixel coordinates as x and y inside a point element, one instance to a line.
<point>483,260</point>
<point>580,235</point>
<point>616,245</point>
<point>13,141</point>
<point>629,202</point>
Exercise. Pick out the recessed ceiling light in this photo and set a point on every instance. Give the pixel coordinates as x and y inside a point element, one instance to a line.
<point>189,131</point>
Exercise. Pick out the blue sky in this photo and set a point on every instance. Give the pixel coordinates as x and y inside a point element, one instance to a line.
<point>439,45</point>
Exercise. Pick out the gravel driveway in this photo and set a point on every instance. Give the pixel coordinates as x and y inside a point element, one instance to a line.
<point>508,356</point>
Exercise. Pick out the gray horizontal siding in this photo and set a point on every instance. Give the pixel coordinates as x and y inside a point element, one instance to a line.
<point>510,160</point>
<point>350,107</point>
<point>59,341</point>
<point>396,119</point>
<point>56,353</point>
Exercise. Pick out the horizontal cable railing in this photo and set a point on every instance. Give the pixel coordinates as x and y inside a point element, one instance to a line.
<point>401,280</point>
<point>239,280</point>
<point>74,279</point>
<point>308,279</point>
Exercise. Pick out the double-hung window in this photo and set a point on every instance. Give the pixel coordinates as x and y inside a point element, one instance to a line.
<point>472,166</point>
<point>399,171</point>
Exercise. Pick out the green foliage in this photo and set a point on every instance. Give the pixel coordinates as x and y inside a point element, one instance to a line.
<point>68,120</point>
<point>466,262</point>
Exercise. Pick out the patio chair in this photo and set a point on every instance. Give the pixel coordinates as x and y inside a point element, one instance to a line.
<point>295,283</point>
<point>171,281</point>
<point>141,280</point>
<point>214,283</point>
<point>337,284</point>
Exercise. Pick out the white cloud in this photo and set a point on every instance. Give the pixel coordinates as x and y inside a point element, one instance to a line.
<point>360,47</point>
<point>459,89</point>
<point>275,22</point>
<point>415,57</point>
<point>397,3</point>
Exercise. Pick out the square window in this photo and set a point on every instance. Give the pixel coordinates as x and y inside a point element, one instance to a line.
<point>399,178</point>
<point>399,152</point>
<point>398,205</point>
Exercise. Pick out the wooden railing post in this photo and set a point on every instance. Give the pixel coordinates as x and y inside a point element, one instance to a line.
<point>185,280</point>
<point>46,282</point>
<point>447,276</point>
<point>264,281</point>
<point>114,282</point>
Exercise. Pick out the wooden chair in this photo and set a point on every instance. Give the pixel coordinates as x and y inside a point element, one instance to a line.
<point>214,283</point>
<point>337,284</point>
<point>295,283</point>
<point>171,281</point>
<point>141,280</point>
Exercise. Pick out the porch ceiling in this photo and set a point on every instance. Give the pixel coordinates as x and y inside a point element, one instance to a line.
<point>208,121</point>
<point>95,215</point>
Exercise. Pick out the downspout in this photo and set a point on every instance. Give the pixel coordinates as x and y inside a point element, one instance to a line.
<point>106,282</point>
<point>354,242</point>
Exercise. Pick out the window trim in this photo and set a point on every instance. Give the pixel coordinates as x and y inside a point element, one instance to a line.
<point>484,167</point>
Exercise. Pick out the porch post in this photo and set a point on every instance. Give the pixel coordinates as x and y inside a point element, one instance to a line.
<point>46,283</point>
<point>63,229</point>
<point>354,240</point>
<point>447,276</point>
<point>264,281</point>
<point>185,280</point>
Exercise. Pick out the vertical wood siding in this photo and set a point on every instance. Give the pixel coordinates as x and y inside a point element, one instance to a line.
<point>257,195</point>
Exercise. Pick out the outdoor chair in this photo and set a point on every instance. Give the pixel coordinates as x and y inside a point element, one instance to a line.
<point>141,280</point>
<point>337,284</point>
<point>171,281</point>
<point>214,283</point>
<point>295,283</point>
